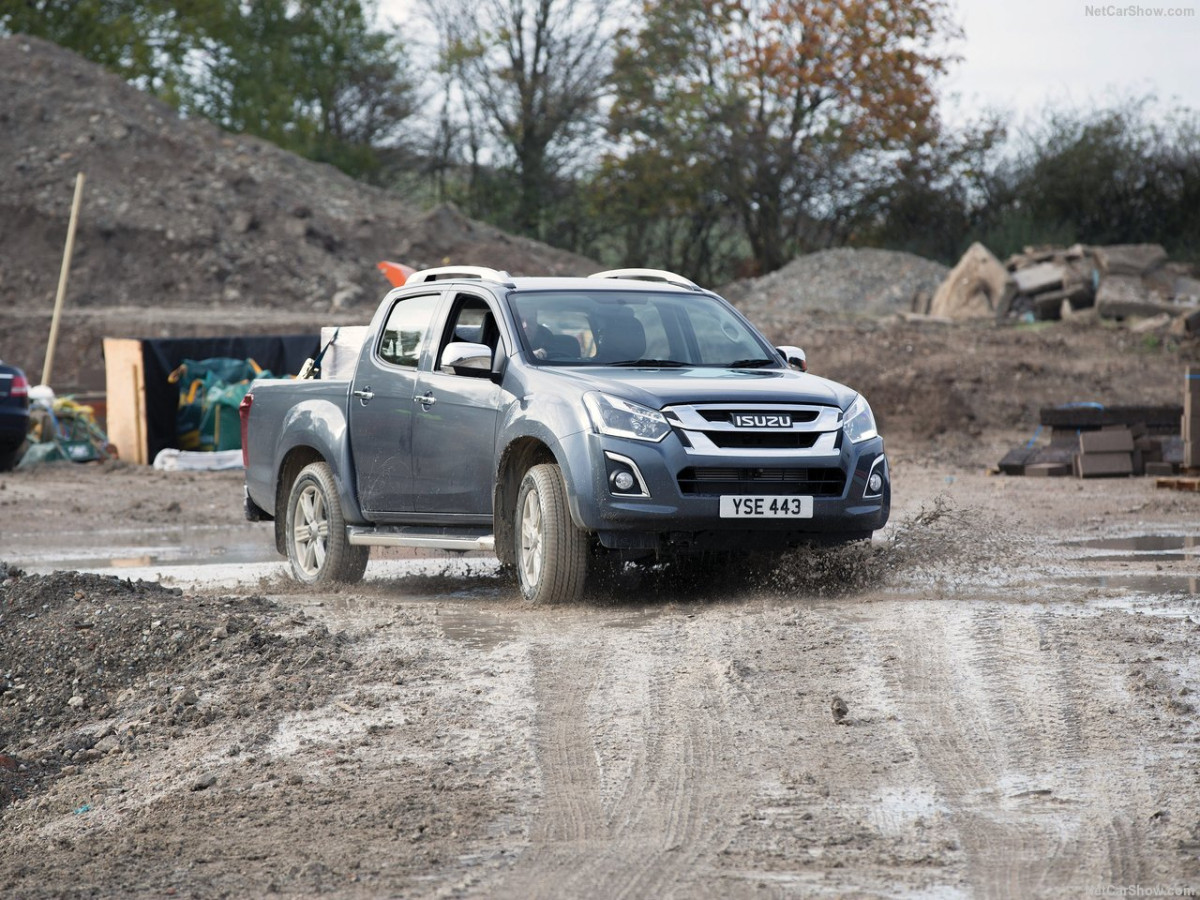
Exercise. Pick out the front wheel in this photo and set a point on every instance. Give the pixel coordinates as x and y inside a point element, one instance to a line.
<point>317,546</point>
<point>552,551</point>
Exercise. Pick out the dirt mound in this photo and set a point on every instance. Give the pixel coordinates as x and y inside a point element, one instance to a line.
<point>95,665</point>
<point>858,281</point>
<point>178,214</point>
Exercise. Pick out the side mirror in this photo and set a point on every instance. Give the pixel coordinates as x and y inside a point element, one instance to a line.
<point>463,358</point>
<point>794,357</point>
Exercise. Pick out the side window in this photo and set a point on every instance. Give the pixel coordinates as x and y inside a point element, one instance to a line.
<point>406,330</point>
<point>471,321</point>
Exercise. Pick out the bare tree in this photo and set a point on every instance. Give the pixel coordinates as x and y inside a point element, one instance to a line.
<point>535,71</point>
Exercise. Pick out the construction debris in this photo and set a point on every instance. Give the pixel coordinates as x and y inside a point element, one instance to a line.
<point>978,287</point>
<point>1123,282</point>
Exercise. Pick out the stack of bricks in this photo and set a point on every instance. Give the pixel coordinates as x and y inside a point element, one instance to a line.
<point>1104,453</point>
<point>1191,419</point>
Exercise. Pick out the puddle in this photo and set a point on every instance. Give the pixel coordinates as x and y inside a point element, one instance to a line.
<point>1145,543</point>
<point>143,548</point>
<point>1141,584</point>
<point>1140,548</point>
<point>476,630</point>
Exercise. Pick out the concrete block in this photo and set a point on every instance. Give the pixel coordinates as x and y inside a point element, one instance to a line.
<point>1129,259</point>
<point>1125,296</point>
<point>1044,276</point>
<point>1108,440</point>
<point>1160,469</point>
<point>1101,465</point>
<point>1048,470</point>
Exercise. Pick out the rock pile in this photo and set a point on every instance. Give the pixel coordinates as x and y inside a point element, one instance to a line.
<point>1121,282</point>
<point>859,281</point>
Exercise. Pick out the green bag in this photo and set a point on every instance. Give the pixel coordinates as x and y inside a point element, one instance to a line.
<point>210,391</point>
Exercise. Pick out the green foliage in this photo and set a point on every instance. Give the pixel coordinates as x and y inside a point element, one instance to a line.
<point>309,75</point>
<point>764,110</point>
<point>1128,174</point>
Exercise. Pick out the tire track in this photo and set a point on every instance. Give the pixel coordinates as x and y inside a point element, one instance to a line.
<point>993,696</point>
<point>650,834</point>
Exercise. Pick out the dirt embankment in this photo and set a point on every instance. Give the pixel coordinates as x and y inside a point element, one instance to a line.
<point>188,230</point>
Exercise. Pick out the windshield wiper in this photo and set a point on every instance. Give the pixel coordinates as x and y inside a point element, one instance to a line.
<point>750,363</point>
<point>653,363</point>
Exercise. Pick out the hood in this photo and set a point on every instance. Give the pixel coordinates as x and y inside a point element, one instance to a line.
<point>657,388</point>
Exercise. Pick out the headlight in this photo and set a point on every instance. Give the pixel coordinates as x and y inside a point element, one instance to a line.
<point>859,423</point>
<point>621,418</point>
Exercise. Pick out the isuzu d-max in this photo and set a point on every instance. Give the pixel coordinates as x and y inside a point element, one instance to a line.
<point>556,421</point>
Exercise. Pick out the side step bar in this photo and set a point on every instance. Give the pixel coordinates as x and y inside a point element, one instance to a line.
<point>448,539</point>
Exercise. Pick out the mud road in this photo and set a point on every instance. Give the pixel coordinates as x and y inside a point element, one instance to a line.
<point>997,698</point>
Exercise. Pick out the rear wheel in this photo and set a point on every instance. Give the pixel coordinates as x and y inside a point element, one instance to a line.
<point>552,552</point>
<point>11,456</point>
<point>317,546</point>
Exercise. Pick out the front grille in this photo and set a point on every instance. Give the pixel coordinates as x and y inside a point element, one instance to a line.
<point>726,415</point>
<point>815,482</point>
<point>763,440</point>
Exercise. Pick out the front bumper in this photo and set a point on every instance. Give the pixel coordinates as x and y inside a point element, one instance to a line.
<point>658,511</point>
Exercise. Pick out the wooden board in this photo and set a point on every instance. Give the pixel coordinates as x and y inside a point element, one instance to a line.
<point>1178,483</point>
<point>125,392</point>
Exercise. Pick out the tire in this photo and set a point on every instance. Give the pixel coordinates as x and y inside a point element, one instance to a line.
<point>315,531</point>
<point>10,457</point>
<point>552,552</point>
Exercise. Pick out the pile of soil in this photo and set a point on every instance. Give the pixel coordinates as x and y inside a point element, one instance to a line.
<point>95,665</point>
<point>230,232</point>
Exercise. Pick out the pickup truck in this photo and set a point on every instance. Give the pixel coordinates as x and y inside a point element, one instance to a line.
<point>560,423</point>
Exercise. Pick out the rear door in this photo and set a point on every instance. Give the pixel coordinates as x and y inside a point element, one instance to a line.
<point>382,405</point>
<point>454,431</point>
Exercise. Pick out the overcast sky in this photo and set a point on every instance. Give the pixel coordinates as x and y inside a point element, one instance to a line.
<point>1022,55</point>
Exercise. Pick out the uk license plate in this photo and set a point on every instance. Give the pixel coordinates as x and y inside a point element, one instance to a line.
<point>766,507</point>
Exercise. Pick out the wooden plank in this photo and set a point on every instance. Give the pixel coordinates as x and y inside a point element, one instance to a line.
<point>125,391</point>
<point>1178,483</point>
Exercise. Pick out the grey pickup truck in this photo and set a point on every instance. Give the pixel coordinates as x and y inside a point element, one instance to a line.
<point>560,423</point>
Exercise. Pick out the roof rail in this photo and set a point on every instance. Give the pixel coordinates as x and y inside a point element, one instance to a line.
<point>444,273</point>
<point>649,275</point>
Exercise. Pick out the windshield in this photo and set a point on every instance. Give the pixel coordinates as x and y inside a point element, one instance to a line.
<point>636,328</point>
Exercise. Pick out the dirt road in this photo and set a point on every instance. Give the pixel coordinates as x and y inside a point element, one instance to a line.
<point>1015,660</point>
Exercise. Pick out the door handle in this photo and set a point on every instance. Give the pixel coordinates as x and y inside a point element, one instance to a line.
<point>365,394</point>
<point>427,399</point>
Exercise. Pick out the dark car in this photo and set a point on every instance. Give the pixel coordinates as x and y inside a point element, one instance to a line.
<point>14,414</point>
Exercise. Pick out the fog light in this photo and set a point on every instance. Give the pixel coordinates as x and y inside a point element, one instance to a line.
<point>623,481</point>
<point>875,483</point>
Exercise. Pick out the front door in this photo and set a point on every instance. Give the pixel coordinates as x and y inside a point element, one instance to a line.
<point>382,405</point>
<point>454,433</point>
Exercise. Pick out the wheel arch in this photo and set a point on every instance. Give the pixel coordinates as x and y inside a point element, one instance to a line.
<point>518,458</point>
<point>290,467</point>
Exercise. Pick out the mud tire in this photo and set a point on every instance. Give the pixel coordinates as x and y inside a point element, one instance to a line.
<point>315,531</point>
<point>551,551</point>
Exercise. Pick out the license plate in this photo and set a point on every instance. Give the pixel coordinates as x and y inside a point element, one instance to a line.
<point>766,507</point>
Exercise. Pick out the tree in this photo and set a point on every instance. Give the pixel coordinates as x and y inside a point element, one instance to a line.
<point>309,75</point>
<point>144,41</point>
<point>534,71</point>
<point>780,105</point>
